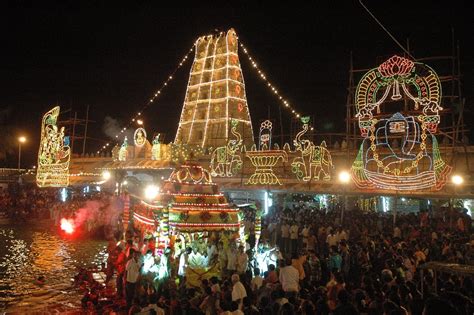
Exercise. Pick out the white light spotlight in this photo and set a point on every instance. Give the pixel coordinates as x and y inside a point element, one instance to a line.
<point>344,177</point>
<point>106,175</point>
<point>151,191</point>
<point>457,179</point>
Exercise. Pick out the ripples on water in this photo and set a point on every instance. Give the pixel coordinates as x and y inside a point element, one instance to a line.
<point>28,252</point>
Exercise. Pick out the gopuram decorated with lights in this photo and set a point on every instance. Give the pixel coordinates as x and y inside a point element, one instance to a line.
<point>212,185</point>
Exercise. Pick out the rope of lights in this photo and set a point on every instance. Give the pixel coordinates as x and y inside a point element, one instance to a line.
<point>285,103</point>
<point>152,99</point>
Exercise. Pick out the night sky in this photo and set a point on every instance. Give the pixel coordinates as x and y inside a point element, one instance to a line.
<point>114,59</point>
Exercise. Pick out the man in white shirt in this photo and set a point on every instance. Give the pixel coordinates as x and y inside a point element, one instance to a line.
<point>342,235</point>
<point>196,260</point>
<point>152,306</point>
<point>257,280</point>
<point>272,233</point>
<point>294,237</point>
<point>183,262</point>
<point>242,261</point>
<point>331,240</point>
<point>132,270</point>
<point>238,290</point>
<point>397,233</point>
<point>289,278</point>
<point>305,234</point>
<point>231,258</point>
<point>222,258</point>
<point>211,253</point>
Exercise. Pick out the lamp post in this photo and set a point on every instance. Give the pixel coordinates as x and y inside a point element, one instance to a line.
<point>20,141</point>
<point>344,178</point>
<point>457,180</point>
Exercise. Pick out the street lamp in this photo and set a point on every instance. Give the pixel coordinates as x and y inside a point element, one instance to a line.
<point>457,180</point>
<point>344,179</point>
<point>20,141</point>
<point>151,191</point>
<point>106,175</point>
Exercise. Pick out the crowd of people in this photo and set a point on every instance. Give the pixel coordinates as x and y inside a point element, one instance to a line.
<point>28,203</point>
<point>31,204</point>
<point>307,261</point>
<point>364,264</point>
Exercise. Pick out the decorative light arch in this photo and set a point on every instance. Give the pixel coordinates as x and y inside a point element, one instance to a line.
<point>415,164</point>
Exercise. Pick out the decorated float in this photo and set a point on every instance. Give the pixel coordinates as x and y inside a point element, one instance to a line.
<point>188,213</point>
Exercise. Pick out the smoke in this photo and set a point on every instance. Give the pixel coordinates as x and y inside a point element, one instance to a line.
<point>96,213</point>
<point>89,213</point>
<point>112,211</point>
<point>112,128</point>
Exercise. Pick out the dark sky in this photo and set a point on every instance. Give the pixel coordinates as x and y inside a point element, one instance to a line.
<point>114,59</point>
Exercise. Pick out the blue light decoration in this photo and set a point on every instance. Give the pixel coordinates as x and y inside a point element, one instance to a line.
<point>66,141</point>
<point>268,201</point>
<point>315,162</point>
<point>63,194</point>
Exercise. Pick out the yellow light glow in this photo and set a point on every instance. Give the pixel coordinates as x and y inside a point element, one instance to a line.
<point>106,175</point>
<point>151,191</point>
<point>344,177</point>
<point>457,180</point>
<point>22,139</point>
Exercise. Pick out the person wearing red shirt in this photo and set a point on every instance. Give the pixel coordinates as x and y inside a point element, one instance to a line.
<point>272,276</point>
<point>120,264</point>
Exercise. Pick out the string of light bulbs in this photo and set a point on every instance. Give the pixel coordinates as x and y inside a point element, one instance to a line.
<point>285,103</point>
<point>137,116</point>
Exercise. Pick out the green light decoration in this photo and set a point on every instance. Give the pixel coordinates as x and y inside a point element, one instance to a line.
<point>156,148</point>
<point>315,162</point>
<point>123,150</point>
<point>225,160</point>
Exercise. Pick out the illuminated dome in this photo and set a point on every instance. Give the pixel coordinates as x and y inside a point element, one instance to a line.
<point>194,203</point>
<point>191,174</point>
<point>190,179</point>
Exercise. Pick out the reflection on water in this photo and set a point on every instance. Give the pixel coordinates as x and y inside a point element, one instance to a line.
<point>28,252</point>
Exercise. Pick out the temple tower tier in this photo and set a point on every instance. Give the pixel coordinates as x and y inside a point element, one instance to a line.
<point>215,94</point>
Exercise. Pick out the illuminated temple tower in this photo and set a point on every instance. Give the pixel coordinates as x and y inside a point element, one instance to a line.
<point>215,94</point>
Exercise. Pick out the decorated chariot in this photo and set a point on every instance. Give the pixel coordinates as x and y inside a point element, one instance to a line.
<point>189,214</point>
